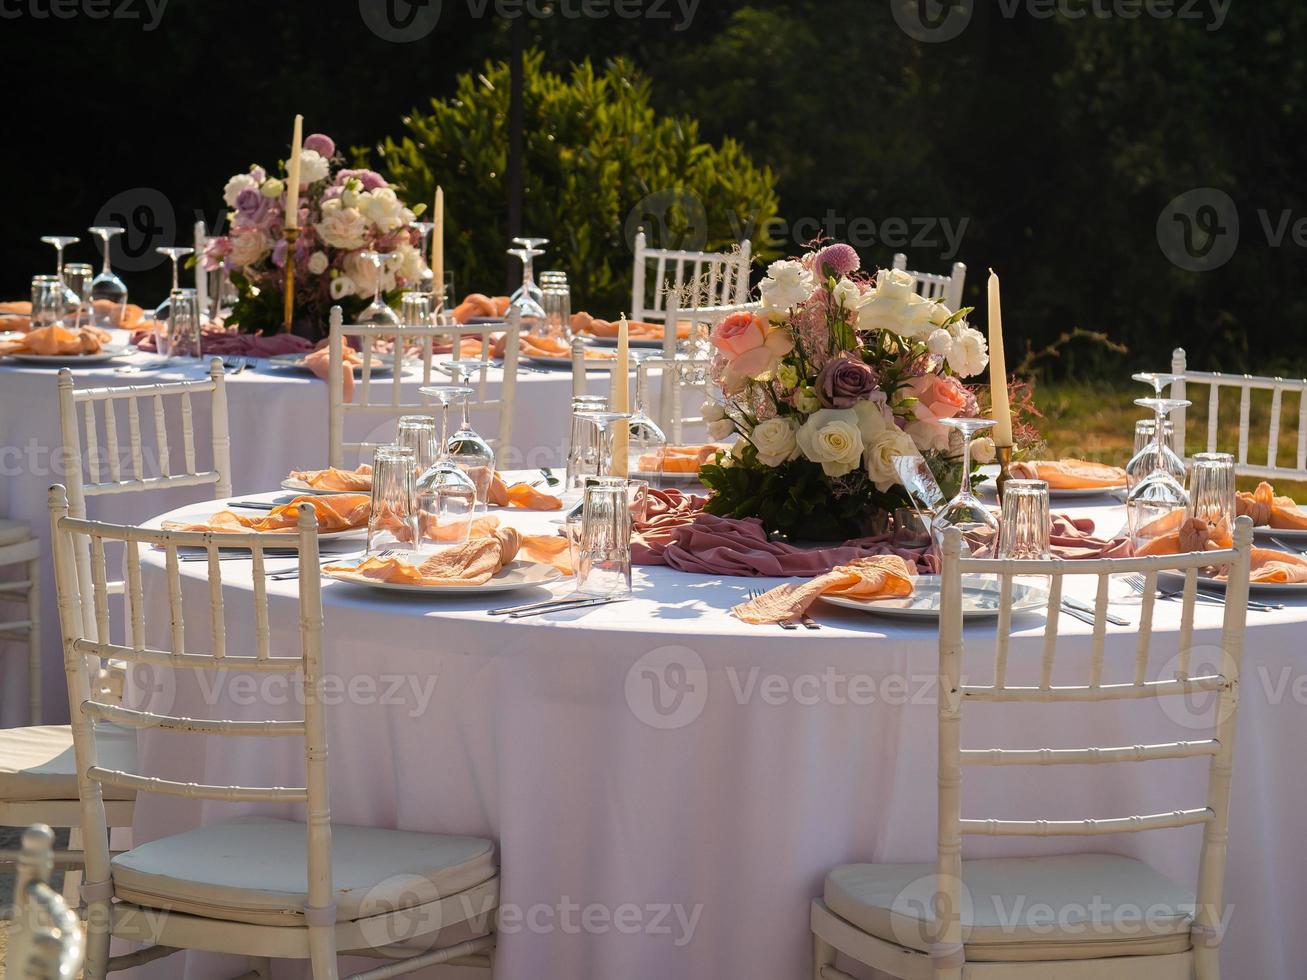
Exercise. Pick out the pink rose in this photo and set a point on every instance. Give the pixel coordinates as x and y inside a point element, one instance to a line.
<point>738,334</point>
<point>752,349</point>
<point>938,398</point>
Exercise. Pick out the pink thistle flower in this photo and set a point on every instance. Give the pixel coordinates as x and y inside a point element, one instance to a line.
<point>838,260</point>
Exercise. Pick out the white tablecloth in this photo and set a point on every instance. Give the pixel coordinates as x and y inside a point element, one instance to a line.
<point>278,421</point>
<point>668,786</point>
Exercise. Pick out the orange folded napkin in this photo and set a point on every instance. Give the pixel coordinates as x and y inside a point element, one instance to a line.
<point>520,495</point>
<point>347,481</point>
<point>874,577</point>
<point>55,340</point>
<point>681,459</point>
<point>1278,567</point>
<point>583,322</point>
<point>1268,510</point>
<point>1070,474</point>
<point>473,563</point>
<point>1176,535</point>
<point>480,305</point>
<point>341,512</point>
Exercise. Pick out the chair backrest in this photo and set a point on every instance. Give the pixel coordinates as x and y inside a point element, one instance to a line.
<point>68,534</point>
<point>946,289</point>
<point>695,278</point>
<point>95,468</point>
<point>45,940</point>
<point>387,396</point>
<point>954,693</point>
<point>1244,385</point>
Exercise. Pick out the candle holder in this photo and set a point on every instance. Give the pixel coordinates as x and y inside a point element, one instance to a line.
<point>288,305</point>
<point>1004,454</point>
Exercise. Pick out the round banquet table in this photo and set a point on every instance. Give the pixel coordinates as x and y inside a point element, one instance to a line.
<point>668,786</point>
<point>278,422</point>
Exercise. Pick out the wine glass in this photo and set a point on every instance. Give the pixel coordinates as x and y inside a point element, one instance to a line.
<point>427,284</point>
<point>528,299</point>
<point>164,310</point>
<point>534,246</point>
<point>72,300</point>
<point>377,313</point>
<point>1152,502</point>
<point>646,442</point>
<point>604,421</point>
<point>107,286</point>
<point>446,496</point>
<point>966,511</point>
<point>465,446</point>
<point>1143,461</point>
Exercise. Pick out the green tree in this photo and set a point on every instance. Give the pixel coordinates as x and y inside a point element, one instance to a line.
<point>599,161</point>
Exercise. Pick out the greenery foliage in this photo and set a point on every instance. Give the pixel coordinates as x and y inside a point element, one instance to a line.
<point>598,160</point>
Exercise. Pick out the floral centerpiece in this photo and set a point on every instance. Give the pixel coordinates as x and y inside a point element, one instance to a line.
<point>838,374</point>
<point>342,214</point>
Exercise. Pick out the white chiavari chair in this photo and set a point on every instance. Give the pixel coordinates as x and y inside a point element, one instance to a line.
<point>262,887</point>
<point>1244,385</point>
<point>946,289</point>
<point>696,278</point>
<point>907,920</point>
<point>45,940</point>
<point>18,549</point>
<point>386,397</point>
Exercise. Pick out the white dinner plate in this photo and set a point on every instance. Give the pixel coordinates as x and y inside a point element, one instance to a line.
<point>990,487</point>
<point>106,353</point>
<point>565,361</point>
<point>1175,581</point>
<point>1287,534</point>
<point>515,575</point>
<point>302,488</point>
<point>980,599</point>
<point>382,364</point>
<point>642,342</point>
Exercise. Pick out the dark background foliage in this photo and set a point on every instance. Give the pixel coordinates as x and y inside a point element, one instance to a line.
<point>1060,140</point>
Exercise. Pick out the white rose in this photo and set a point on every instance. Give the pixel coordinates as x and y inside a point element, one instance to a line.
<point>341,227</point>
<point>921,316</point>
<point>713,411</point>
<point>364,273</point>
<point>721,429</point>
<point>349,198</point>
<point>408,264</point>
<point>249,246</point>
<point>341,287</point>
<point>982,451</point>
<point>940,342</point>
<point>313,167</point>
<point>872,420</point>
<point>970,353</point>
<point>895,284</point>
<point>775,441</point>
<point>318,263</point>
<point>383,209</point>
<point>847,294</point>
<point>787,284</point>
<point>241,182</point>
<point>884,449</point>
<point>831,437</point>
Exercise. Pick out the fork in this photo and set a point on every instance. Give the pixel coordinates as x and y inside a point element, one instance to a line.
<point>784,624</point>
<point>233,365</point>
<point>1288,547</point>
<point>1137,582</point>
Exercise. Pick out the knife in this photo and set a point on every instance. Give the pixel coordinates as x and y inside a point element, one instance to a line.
<point>555,601</point>
<point>586,604</point>
<point>1086,608</point>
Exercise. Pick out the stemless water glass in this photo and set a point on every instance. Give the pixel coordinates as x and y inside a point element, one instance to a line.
<point>966,511</point>
<point>419,433</point>
<point>183,328</point>
<point>604,553</point>
<point>393,520</point>
<point>1026,525</point>
<point>1211,490</point>
<point>47,301</point>
<point>415,309</point>
<point>78,275</point>
<point>557,304</point>
<point>583,447</point>
<point>637,494</point>
<point>107,286</point>
<point>1152,501</point>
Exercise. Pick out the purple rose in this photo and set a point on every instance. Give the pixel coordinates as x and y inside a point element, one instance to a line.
<point>370,179</point>
<point>321,144</point>
<point>844,381</point>
<point>251,207</point>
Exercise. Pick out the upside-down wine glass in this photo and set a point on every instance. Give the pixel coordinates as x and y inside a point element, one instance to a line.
<point>72,301</point>
<point>427,284</point>
<point>446,496</point>
<point>1143,461</point>
<point>536,247</point>
<point>528,300</point>
<point>378,313</point>
<point>465,446</point>
<point>164,310</point>
<point>107,286</point>
<point>966,511</point>
<point>646,442</point>
<point>1152,502</point>
<point>604,421</point>
<point>1160,382</point>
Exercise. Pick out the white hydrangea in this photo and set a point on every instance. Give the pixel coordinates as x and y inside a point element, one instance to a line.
<point>241,182</point>
<point>313,167</point>
<point>970,352</point>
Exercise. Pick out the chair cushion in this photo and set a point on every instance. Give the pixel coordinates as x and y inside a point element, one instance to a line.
<point>37,763</point>
<point>1077,906</point>
<point>12,532</point>
<point>255,869</point>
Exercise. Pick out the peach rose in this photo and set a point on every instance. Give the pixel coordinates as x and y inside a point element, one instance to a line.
<point>937,398</point>
<point>738,334</point>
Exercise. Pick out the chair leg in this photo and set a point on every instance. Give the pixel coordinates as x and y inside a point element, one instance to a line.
<point>1207,963</point>
<point>34,642</point>
<point>98,919</point>
<point>823,955</point>
<point>322,952</point>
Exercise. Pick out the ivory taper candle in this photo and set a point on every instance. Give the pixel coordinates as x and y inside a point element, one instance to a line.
<point>1001,409</point>
<point>293,176</point>
<point>620,399</point>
